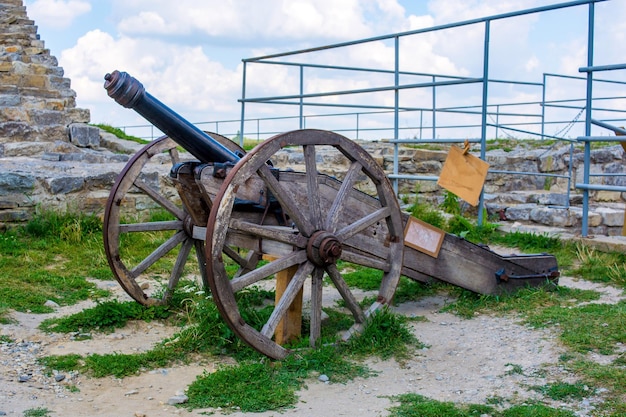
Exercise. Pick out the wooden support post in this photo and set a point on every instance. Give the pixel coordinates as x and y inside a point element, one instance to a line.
<point>290,327</point>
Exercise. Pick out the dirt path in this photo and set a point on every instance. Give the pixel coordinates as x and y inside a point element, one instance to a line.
<point>466,361</point>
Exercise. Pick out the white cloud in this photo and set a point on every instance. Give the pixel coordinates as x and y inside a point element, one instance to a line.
<point>175,48</point>
<point>183,78</point>
<point>275,20</point>
<point>58,14</point>
<point>532,64</point>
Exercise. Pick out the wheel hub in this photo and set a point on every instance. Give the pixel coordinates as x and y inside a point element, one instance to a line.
<point>188,225</point>
<point>323,248</point>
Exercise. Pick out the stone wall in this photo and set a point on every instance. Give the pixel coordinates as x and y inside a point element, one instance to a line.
<point>36,102</point>
<point>39,120</point>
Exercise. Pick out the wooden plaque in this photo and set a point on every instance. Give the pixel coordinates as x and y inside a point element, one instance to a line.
<point>424,237</point>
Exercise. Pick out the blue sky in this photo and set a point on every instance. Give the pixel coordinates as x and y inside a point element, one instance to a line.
<point>188,52</point>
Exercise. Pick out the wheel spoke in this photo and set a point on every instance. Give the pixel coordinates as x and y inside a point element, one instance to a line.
<point>365,260</point>
<point>292,290</point>
<point>174,156</point>
<point>151,226</point>
<point>200,256</point>
<point>336,210</point>
<point>346,294</point>
<point>276,233</point>
<point>268,270</point>
<point>316,305</point>
<point>177,271</point>
<point>313,186</point>
<point>158,253</point>
<point>288,205</point>
<point>251,261</point>
<point>362,224</point>
<point>161,200</point>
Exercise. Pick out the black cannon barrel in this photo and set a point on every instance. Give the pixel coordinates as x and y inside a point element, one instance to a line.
<point>130,93</point>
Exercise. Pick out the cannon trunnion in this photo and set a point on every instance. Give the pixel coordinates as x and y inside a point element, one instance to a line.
<point>235,209</point>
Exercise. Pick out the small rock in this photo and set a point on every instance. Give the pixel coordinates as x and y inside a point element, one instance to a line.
<point>178,399</point>
<point>24,378</point>
<point>51,304</point>
<point>133,392</point>
<point>59,377</point>
<point>323,378</point>
<point>139,414</point>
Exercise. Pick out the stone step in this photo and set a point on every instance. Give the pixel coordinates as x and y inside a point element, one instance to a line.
<point>554,210</point>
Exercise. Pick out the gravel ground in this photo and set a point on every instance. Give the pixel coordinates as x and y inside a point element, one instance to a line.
<point>465,361</point>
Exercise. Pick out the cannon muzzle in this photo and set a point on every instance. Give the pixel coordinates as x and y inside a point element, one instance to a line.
<point>130,93</point>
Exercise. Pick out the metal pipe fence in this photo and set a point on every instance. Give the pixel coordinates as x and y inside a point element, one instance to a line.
<point>387,109</point>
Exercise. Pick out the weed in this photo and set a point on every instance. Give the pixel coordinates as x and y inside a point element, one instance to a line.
<point>515,369</point>
<point>561,391</point>
<point>591,327</point>
<point>366,279</point>
<point>71,362</point>
<point>254,386</point>
<point>120,133</point>
<point>466,229</point>
<point>410,290</point>
<point>121,365</point>
<point>450,203</point>
<point>414,405</point>
<point>386,335</point>
<point>250,387</point>
<point>428,214</point>
<point>607,267</point>
<point>105,317</point>
<point>612,377</point>
<point>529,241</point>
<point>535,410</point>
<point>525,300</point>
<point>44,262</point>
<point>37,412</point>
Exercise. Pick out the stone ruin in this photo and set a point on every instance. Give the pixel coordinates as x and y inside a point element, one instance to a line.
<point>50,157</point>
<point>42,132</point>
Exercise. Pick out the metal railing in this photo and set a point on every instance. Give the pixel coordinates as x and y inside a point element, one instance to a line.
<point>360,114</point>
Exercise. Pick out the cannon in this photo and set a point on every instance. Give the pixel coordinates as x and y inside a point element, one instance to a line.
<point>237,210</point>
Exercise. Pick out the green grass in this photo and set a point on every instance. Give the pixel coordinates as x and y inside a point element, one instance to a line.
<point>105,317</point>
<point>250,387</point>
<point>562,391</point>
<point>386,336</point>
<point>37,412</point>
<point>120,133</point>
<point>611,377</point>
<point>415,405</point>
<point>524,301</point>
<point>591,327</point>
<point>45,260</point>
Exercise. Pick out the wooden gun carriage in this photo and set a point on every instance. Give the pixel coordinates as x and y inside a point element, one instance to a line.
<point>237,208</point>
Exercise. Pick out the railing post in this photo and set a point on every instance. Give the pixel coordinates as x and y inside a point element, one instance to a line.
<point>396,130</point>
<point>301,93</point>
<point>483,130</point>
<point>434,102</point>
<point>588,104</point>
<point>243,106</point>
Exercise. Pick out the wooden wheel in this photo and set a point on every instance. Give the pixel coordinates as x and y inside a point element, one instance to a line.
<point>139,247</point>
<point>311,222</point>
